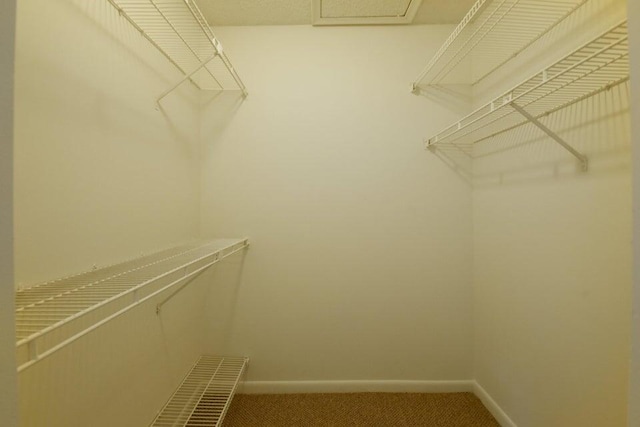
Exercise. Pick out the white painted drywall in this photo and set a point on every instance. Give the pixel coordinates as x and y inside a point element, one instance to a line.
<point>8,390</point>
<point>101,175</point>
<point>552,262</point>
<point>634,389</point>
<point>360,262</point>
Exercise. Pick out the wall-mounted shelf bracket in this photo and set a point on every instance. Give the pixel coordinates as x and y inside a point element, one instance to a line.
<point>186,77</point>
<point>583,159</point>
<point>179,30</point>
<point>218,256</point>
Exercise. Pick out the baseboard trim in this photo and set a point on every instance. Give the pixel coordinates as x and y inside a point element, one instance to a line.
<point>388,386</point>
<point>492,406</point>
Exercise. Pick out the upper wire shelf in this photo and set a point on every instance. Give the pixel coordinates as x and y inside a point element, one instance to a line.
<point>490,34</point>
<point>54,314</point>
<point>179,30</point>
<point>595,66</point>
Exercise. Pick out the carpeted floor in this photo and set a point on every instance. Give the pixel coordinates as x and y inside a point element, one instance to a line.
<point>358,409</point>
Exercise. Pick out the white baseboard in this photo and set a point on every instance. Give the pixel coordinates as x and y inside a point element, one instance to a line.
<point>492,406</point>
<point>389,386</point>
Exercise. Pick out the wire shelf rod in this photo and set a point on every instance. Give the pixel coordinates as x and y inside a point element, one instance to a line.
<point>178,29</point>
<point>95,303</point>
<point>204,395</point>
<point>25,293</point>
<point>35,357</point>
<point>188,46</point>
<point>497,31</point>
<point>595,66</point>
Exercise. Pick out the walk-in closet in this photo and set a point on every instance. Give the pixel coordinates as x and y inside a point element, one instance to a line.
<point>319,213</point>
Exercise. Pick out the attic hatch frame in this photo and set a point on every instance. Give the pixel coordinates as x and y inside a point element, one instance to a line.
<point>405,18</point>
<point>179,30</point>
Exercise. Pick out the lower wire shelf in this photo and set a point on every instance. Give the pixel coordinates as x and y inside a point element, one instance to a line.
<point>205,394</point>
<point>52,315</point>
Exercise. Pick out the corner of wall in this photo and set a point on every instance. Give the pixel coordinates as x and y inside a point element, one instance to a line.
<point>8,391</point>
<point>634,372</point>
<point>498,413</point>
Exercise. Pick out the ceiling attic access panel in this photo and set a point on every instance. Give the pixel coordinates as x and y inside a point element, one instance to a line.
<point>364,12</point>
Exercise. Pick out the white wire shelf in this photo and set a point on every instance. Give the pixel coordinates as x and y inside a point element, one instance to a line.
<point>595,66</point>
<point>52,315</point>
<point>179,30</point>
<point>205,394</point>
<point>492,33</point>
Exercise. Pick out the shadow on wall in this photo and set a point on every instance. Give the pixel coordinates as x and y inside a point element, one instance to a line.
<point>132,45</point>
<point>132,51</point>
<point>589,20</point>
<point>456,98</point>
<point>217,112</point>
<point>103,74</point>
<point>598,127</point>
<point>221,304</point>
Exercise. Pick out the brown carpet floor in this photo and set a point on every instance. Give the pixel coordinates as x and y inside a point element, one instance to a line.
<point>358,409</point>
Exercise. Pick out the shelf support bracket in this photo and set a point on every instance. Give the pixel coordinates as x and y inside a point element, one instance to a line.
<point>188,277</point>
<point>186,77</point>
<point>583,159</point>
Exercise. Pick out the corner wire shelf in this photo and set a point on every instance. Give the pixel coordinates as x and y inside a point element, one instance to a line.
<point>179,30</point>
<point>52,315</point>
<point>594,67</point>
<point>494,31</point>
<point>205,394</point>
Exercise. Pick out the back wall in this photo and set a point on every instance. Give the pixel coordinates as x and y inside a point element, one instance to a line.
<point>360,264</point>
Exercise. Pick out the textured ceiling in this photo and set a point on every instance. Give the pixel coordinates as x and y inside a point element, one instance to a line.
<point>300,12</point>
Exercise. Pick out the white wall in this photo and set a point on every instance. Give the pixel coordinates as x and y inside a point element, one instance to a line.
<point>634,389</point>
<point>360,264</point>
<point>101,175</point>
<point>552,264</point>
<point>8,391</point>
<point>362,244</point>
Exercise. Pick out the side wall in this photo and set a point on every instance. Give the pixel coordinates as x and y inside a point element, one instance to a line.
<point>634,390</point>
<point>552,260</point>
<point>360,264</point>
<point>100,176</point>
<point>8,390</point>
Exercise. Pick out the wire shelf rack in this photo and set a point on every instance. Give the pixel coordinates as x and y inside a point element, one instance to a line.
<point>595,66</point>
<point>495,31</point>
<point>51,315</point>
<point>179,30</point>
<point>205,394</point>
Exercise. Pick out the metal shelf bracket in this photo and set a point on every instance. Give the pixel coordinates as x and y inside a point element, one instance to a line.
<point>581,157</point>
<point>186,77</point>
